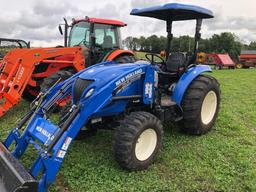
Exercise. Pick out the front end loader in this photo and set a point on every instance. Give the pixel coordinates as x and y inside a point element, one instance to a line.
<point>135,99</point>
<point>19,66</point>
<point>28,71</point>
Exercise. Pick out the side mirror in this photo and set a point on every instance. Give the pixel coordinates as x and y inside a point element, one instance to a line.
<point>29,44</point>
<point>60,30</point>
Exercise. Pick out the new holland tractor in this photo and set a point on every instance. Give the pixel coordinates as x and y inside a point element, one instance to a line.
<point>26,72</point>
<point>134,99</point>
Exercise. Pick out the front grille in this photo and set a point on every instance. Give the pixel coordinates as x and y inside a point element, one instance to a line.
<point>79,87</point>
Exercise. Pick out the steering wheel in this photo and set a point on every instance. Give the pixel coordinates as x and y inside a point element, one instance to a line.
<point>84,42</point>
<point>151,58</point>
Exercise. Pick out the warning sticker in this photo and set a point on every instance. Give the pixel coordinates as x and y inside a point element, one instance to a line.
<point>66,143</point>
<point>61,154</point>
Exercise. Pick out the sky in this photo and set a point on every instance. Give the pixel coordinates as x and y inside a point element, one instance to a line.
<point>37,20</point>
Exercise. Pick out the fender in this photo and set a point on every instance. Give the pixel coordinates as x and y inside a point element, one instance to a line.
<point>186,79</point>
<point>117,53</point>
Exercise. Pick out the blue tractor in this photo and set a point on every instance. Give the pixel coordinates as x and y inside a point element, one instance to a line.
<point>134,99</point>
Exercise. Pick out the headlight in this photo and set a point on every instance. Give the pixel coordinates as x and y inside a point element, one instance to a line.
<point>79,88</point>
<point>89,93</point>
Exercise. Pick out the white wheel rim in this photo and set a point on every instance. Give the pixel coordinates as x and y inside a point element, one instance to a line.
<point>209,107</point>
<point>146,144</point>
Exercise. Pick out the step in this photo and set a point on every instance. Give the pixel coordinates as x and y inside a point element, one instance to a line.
<point>166,101</point>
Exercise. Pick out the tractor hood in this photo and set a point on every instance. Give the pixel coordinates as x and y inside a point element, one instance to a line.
<point>106,76</point>
<point>106,73</point>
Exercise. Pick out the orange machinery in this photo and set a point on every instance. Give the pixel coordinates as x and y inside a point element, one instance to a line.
<point>90,41</point>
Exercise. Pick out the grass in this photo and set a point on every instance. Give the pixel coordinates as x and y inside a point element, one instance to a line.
<point>3,51</point>
<point>140,55</point>
<point>223,160</point>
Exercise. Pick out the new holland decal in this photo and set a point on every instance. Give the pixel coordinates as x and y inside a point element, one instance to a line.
<point>45,133</point>
<point>122,83</point>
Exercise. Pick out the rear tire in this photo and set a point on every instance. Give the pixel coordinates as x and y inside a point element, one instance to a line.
<point>138,140</point>
<point>200,105</point>
<point>125,59</point>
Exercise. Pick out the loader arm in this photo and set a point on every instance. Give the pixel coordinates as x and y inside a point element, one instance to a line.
<point>18,66</point>
<point>109,95</point>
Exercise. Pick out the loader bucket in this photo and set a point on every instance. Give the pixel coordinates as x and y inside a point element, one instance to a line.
<point>13,176</point>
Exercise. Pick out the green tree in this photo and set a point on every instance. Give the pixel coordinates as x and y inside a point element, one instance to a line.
<point>154,43</point>
<point>219,43</point>
<point>225,43</point>
<point>252,46</point>
<point>135,44</point>
<point>128,42</point>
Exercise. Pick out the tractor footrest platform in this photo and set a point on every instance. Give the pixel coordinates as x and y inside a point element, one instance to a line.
<point>13,176</point>
<point>167,102</point>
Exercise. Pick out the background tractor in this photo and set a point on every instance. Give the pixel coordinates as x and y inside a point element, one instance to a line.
<point>134,99</point>
<point>26,72</point>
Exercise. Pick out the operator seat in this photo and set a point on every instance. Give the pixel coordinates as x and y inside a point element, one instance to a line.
<point>175,61</point>
<point>108,42</point>
<point>174,67</point>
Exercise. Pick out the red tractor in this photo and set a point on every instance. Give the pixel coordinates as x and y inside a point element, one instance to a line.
<point>27,72</point>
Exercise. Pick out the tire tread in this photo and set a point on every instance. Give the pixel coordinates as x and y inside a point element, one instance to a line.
<point>124,139</point>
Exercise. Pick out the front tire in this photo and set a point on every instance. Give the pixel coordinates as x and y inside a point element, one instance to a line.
<point>200,105</point>
<point>30,93</point>
<point>138,140</point>
<point>50,81</point>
